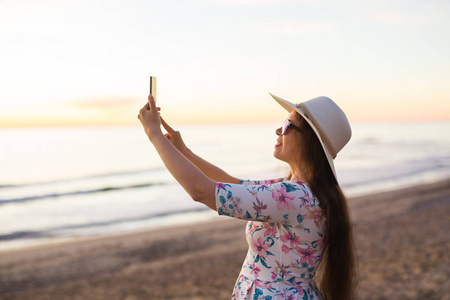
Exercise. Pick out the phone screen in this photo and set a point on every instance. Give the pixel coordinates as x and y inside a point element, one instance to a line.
<point>153,86</point>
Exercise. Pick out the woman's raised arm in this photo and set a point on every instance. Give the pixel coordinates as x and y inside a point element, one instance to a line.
<point>213,172</point>
<point>199,186</point>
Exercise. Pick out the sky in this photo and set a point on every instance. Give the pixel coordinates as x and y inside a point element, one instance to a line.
<point>87,62</point>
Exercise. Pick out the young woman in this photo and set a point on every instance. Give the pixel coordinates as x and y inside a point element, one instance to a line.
<point>297,223</point>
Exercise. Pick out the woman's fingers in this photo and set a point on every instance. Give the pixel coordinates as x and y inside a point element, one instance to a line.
<point>166,126</point>
<point>151,102</point>
<point>141,111</point>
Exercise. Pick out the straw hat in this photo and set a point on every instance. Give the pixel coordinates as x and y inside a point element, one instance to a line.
<point>328,122</point>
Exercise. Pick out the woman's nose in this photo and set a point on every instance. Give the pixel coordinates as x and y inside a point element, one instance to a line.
<point>278,131</point>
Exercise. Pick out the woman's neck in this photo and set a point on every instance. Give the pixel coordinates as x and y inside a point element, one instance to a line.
<point>297,176</point>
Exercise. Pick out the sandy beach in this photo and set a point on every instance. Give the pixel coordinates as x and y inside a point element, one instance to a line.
<point>402,240</point>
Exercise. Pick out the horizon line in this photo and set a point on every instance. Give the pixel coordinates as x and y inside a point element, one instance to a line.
<point>97,125</point>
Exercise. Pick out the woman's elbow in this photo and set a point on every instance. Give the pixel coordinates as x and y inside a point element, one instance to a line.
<point>205,196</point>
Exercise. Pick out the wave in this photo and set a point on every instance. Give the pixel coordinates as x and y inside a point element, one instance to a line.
<point>370,176</point>
<point>4,186</point>
<point>53,231</point>
<point>75,193</point>
<point>88,177</point>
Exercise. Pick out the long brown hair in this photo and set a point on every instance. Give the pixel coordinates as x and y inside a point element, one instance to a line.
<point>338,265</point>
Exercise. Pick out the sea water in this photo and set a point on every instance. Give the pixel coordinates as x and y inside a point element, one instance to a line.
<point>61,184</point>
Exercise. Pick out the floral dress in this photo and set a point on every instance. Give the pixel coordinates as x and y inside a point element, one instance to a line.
<point>284,234</point>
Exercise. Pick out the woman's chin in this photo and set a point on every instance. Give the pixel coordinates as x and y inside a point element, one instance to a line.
<point>276,154</point>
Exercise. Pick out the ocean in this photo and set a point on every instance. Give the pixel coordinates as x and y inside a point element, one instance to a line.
<point>60,184</point>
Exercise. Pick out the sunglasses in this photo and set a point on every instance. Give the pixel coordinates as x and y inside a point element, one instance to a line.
<point>287,124</point>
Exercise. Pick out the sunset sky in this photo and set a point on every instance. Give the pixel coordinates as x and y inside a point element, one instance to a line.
<point>77,62</point>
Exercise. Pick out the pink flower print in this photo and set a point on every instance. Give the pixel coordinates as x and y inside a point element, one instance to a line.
<point>259,284</point>
<point>269,229</point>
<point>285,249</point>
<point>271,181</point>
<point>259,207</point>
<point>315,214</point>
<point>282,269</point>
<point>252,227</point>
<point>300,290</point>
<point>307,256</point>
<point>235,295</point>
<point>267,219</point>
<point>291,238</point>
<point>290,297</point>
<point>260,248</point>
<point>254,269</point>
<point>274,276</point>
<point>263,284</point>
<point>306,202</point>
<point>267,285</point>
<point>284,200</point>
<point>220,186</point>
<point>234,205</point>
<point>319,243</point>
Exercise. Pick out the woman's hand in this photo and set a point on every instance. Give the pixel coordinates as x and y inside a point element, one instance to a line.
<point>150,119</point>
<point>175,138</point>
<point>210,170</point>
<point>190,177</point>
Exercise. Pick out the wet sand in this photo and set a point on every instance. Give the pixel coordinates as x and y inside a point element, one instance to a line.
<point>402,238</point>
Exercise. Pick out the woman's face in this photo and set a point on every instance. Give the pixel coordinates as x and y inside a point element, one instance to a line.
<point>286,146</point>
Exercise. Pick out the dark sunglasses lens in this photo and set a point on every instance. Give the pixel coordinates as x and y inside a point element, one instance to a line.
<point>285,127</point>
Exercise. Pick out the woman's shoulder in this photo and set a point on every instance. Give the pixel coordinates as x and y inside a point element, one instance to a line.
<point>297,182</point>
<point>294,184</point>
<point>299,187</point>
<point>261,182</point>
<point>285,186</point>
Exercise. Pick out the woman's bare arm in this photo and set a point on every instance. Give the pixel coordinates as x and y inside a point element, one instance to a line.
<point>199,186</point>
<point>213,172</point>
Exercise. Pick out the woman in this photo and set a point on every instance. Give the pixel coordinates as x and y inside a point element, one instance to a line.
<point>295,224</point>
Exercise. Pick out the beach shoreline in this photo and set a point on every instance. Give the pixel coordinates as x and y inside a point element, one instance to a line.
<point>401,239</point>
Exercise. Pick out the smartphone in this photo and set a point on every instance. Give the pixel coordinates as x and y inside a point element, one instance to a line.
<point>153,86</point>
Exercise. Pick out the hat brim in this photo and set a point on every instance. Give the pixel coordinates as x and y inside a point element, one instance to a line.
<point>289,106</point>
